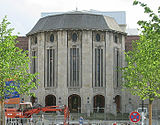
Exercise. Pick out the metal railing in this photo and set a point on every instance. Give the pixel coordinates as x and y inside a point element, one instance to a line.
<point>19,121</point>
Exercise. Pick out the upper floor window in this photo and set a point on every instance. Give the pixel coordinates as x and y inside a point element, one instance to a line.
<point>116,66</point>
<point>74,37</point>
<point>51,38</point>
<point>115,38</point>
<point>34,63</point>
<point>120,38</point>
<point>74,67</point>
<point>35,40</point>
<point>98,67</point>
<point>98,38</point>
<point>50,67</point>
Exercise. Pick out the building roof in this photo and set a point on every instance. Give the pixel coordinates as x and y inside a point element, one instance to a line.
<point>77,21</point>
<point>119,16</point>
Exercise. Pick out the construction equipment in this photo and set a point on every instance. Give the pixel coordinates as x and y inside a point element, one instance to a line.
<point>26,110</point>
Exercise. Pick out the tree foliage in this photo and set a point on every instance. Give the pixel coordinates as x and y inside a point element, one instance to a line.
<point>14,64</point>
<point>142,72</point>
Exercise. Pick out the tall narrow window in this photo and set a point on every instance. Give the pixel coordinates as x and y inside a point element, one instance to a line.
<point>34,64</point>
<point>50,68</point>
<point>116,66</point>
<point>98,67</point>
<point>74,67</point>
<point>35,40</point>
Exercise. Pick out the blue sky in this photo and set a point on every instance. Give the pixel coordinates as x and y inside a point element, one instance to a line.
<point>23,14</point>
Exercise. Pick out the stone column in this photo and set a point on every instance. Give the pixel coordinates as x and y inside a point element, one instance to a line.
<point>40,92</point>
<point>109,72</point>
<point>86,90</point>
<point>62,68</point>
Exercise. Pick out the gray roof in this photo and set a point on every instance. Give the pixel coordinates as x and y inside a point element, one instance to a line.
<point>77,21</point>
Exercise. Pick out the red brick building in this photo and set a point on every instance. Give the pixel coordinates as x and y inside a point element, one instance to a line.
<point>23,42</point>
<point>128,41</point>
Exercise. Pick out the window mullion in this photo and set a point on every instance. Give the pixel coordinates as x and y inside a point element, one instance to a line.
<point>72,67</point>
<point>77,66</point>
<point>53,67</point>
<point>95,67</point>
<point>101,67</point>
<point>117,65</point>
<point>49,69</point>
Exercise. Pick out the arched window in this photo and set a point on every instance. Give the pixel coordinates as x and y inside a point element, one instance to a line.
<point>99,103</point>
<point>115,38</point>
<point>50,100</point>
<point>118,102</point>
<point>74,103</point>
<point>74,37</point>
<point>35,40</point>
<point>98,38</point>
<point>51,38</point>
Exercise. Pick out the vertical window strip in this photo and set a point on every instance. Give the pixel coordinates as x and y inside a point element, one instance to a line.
<point>50,68</point>
<point>53,68</point>
<point>99,60</point>
<point>50,61</point>
<point>117,66</point>
<point>34,64</point>
<point>76,57</point>
<point>49,73</point>
<point>74,67</point>
<point>101,67</point>
<point>77,82</point>
<point>98,67</point>
<point>71,66</point>
<point>95,67</point>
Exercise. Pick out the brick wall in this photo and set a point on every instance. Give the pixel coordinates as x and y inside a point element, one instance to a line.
<point>23,42</point>
<point>128,42</point>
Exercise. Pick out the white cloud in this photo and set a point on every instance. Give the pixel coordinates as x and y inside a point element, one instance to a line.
<point>23,14</point>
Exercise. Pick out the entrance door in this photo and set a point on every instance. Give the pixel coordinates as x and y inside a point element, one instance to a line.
<point>74,103</point>
<point>50,100</point>
<point>118,103</point>
<point>99,102</point>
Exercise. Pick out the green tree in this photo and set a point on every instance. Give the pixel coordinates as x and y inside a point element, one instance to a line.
<point>142,72</point>
<point>14,64</point>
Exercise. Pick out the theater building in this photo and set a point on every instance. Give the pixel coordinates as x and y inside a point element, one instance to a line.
<point>77,58</point>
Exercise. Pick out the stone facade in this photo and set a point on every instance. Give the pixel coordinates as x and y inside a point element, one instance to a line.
<point>128,102</point>
<point>78,66</point>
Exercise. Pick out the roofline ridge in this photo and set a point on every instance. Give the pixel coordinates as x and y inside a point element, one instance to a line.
<point>73,13</point>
